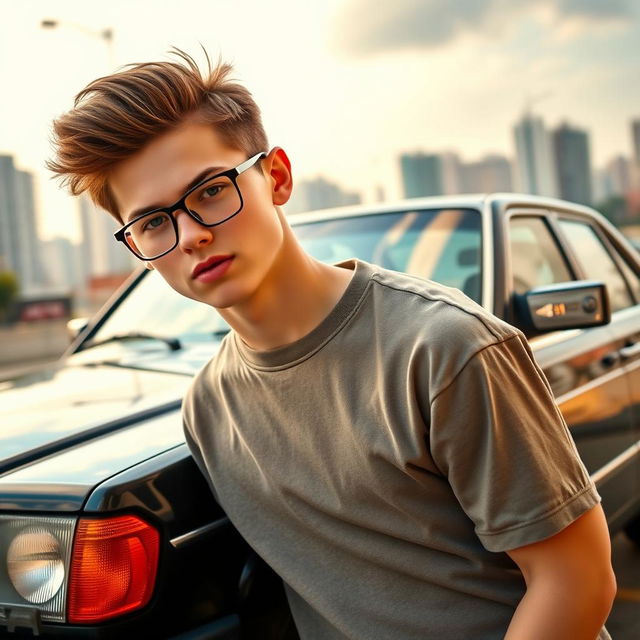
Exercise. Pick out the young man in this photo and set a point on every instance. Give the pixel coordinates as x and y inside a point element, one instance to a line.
<point>386,445</point>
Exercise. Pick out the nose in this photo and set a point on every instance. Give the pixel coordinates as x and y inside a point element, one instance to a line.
<point>191,233</point>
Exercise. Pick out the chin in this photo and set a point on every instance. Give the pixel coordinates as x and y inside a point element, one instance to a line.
<point>224,297</point>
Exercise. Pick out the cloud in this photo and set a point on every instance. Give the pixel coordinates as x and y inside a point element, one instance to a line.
<point>411,24</point>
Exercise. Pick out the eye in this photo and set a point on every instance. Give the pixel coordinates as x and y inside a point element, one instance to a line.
<point>211,191</point>
<point>154,222</point>
<point>212,194</point>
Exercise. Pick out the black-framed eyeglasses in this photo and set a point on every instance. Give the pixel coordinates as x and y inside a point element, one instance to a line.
<point>211,202</point>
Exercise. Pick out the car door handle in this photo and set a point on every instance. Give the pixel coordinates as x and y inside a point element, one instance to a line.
<point>610,359</point>
<point>630,351</point>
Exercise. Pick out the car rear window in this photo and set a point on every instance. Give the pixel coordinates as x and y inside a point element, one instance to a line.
<point>439,244</point>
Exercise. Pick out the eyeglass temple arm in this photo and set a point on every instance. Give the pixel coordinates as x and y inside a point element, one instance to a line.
<point>250,162</point>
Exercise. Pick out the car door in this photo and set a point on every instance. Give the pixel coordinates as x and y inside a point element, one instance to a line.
<point>584,367</point>
<point>602,257</point>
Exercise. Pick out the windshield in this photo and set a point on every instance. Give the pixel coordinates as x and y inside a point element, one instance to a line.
<point>439,244</point>
<point>153,306</point>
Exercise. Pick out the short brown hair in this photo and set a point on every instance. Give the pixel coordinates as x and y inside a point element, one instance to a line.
<point>116,116</point>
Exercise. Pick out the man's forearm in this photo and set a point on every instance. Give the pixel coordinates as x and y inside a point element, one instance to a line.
<point>570,582</point>
<point>557,611</point>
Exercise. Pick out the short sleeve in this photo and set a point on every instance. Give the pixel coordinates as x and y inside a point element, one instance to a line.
<point>500,439</point>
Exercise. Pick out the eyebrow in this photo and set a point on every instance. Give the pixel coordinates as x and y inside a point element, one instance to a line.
<point>201,176</point>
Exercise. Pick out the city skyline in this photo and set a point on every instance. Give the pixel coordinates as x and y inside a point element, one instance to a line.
<point>455,155</point>
<point>344,90</point>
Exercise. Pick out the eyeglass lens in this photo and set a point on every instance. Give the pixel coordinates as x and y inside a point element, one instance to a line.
<point>212,202</point>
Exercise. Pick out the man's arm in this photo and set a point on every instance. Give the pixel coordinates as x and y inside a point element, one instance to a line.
<point>570,582</point>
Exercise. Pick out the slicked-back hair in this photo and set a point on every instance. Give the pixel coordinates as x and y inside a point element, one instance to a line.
<point>117,115</point>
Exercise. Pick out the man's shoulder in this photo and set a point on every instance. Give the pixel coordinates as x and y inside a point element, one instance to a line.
<point>436,309</point>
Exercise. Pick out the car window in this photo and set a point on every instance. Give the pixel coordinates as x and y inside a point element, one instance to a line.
<point>438,244</point>
<point>596,261</point>
<point>154,307</point>
<point>536,259</point>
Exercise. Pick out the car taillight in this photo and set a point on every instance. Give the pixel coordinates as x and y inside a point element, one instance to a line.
<point>113,568</point>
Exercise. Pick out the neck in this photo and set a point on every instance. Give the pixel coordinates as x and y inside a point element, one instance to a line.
<point>298,293</point>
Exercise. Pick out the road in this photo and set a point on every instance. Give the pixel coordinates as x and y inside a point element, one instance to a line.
<point>624,621</point>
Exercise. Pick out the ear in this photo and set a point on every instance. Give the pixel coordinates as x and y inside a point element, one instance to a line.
<point>280,174</point>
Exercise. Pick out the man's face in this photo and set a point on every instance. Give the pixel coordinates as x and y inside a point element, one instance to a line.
<point>240,254</point>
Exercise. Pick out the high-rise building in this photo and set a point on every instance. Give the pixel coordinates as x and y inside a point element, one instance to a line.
<point>422,175</point>
<point>620,171</point>
<point>451,171</point>
<point>445,174</point>
<point>63,264</point>
<point>602,188</point>
<point>489,175</point>
<point>19,244</point>
<point>8,217</point>
<point>573,164</point>
<point>535,165</point>
<point>319,193</point>
<point>101,254</point>
<point>615,179</point>
<point>635,140</point>
<point>635,135</point>
<point>30,263</point>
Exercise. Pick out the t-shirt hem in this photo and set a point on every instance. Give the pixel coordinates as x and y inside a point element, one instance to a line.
<point>543,527</point>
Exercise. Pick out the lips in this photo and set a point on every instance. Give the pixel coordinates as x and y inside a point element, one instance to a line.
<point>209,264</point>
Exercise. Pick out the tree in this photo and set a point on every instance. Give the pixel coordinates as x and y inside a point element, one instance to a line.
<point>8,291</point>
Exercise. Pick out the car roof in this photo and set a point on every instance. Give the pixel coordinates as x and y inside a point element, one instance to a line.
<point>480,201</point>
<point>449,202</point>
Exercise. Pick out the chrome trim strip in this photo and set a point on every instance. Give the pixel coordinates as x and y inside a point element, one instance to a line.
<point>487,268</point>
<point>190,536</point>
<point>619,461</point>
<point>555,337</point>
<point>592,384</point>
<point>632,366</point>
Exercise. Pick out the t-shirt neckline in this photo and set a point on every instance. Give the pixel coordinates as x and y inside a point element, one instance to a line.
<point>290,354</point>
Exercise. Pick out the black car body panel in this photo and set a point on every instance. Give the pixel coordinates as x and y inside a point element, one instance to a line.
<point>48,411</point>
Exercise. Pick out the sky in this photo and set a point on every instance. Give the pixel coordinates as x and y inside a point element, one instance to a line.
<point>345,86</point>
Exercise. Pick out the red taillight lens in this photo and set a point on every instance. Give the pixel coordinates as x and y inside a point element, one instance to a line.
<point>113,568</point>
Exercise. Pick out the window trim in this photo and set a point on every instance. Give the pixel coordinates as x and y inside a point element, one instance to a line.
<point>546,217</point>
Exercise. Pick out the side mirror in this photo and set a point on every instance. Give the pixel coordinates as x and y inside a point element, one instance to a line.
<point>568,305</point>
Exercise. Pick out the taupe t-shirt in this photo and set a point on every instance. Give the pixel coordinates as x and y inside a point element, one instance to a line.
<point>383,463</point>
